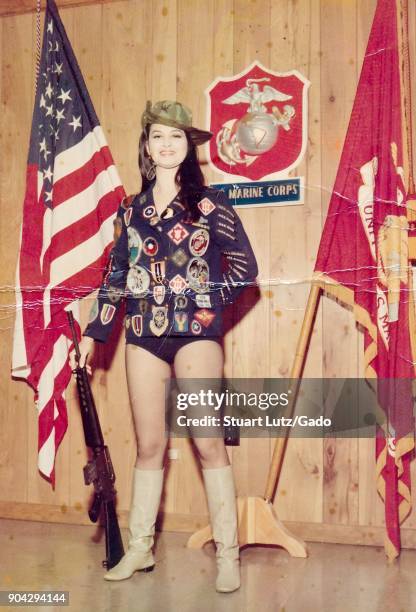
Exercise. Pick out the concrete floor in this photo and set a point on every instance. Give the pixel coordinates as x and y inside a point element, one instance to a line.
<point>39,556</point>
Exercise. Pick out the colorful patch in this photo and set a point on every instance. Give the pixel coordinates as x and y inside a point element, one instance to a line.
<point>198,242</point>
<point>203,301</point>
<point>181,322</point>
<point>138,281</point>
<point>196,327</point>
<point>127,216</point>
<point>177,284</point>
<point>143,306</point>
<point>158,270</point>
<point>167,213</point>
<point>179,257</point>
<point>94,311</point>
<point>114,294</point>
<point>127,321</point>
<point>135,244</point>
<point>149,211</point>
<point>154,220</point>
<point>206,206</point>
<point>178,233</point>
<point>137,324</point>
<point>159,292</point>
<point>197,275</point>
<point>150,246</point>
<point>118,228</point>
<point>107,313</point>
<point>159,323</point>
<point>181,302</point>
<point>205,317</point>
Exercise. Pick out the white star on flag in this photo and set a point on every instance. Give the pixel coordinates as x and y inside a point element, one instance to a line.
<point>49,90</point>
<point>64,96</point>
<point>76,122</point>
<point>47,174</point>
<point>60,115</point>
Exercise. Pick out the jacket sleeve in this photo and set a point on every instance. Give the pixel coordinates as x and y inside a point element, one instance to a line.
<point>240,263</point>
<point>112,290</point>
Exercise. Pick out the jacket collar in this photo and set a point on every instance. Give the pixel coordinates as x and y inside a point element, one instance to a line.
<point>173,208</point>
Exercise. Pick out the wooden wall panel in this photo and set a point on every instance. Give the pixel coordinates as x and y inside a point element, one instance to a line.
<point>130,51</point>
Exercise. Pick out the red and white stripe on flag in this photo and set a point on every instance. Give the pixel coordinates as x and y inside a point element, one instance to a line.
<point>72,193</point>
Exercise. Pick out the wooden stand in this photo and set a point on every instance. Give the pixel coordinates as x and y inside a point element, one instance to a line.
<point>257,519</point>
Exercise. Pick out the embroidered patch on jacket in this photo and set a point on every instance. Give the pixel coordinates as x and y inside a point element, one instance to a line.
<point>159,292</point>
<point>158,270</point>
<point>137,324</point>
<point>143,306</point>
<point>205,317</point>
<point>206,206</point>
<point>179,257</point>
<point>181,322</point>
<point>198,242</point>
<point>159,323</point>
<point>138,281</point>
<point>203,301</point>
<point>127,321</point>
<point>149,211</point>
<point>196,327</point>
<point>177,284</point>
<point>127,216</point>
<point>197,274</point>
<point>150,246</point>
<point>181,302</point>
<point>107,313</point>
<point>135,244</point>
<point>167,213</point>
<point>178,233</point>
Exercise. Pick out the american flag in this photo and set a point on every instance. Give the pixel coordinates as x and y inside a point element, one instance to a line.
<point>72,192</point>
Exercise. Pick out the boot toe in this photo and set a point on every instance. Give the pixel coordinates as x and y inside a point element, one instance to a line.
<point>228,579</point>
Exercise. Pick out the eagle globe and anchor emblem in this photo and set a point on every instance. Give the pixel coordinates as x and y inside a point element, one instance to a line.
<point>258,119</point>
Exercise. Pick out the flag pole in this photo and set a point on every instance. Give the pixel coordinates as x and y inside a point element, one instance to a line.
<point>258,522</point>
<point>296,374</point>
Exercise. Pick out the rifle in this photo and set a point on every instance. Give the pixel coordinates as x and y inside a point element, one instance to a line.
<point>99,470</point>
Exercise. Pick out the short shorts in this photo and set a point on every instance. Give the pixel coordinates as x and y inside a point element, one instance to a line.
<point>166,347</point>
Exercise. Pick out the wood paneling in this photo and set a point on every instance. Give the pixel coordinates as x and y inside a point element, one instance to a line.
<point>131,51</point>
<point>17,7</point>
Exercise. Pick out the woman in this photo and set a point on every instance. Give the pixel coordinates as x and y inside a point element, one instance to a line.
<point>167,261</point>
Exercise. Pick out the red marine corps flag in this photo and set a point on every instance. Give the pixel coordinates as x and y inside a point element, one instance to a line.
<point>363,255</point>
<point>72,193</point>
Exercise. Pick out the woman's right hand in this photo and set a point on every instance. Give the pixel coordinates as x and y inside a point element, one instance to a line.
<point>86,349</point>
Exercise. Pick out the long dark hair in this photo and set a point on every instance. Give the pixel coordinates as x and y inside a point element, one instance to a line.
<point>189,177</point>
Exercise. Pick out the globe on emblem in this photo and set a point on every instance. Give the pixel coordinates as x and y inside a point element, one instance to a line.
<point>256,133</point>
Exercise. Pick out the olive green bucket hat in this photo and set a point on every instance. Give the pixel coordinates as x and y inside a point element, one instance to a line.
<point>176,115</point>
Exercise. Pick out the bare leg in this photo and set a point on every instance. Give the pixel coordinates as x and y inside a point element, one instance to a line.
<point>147,379</point>
<point>199,360</point>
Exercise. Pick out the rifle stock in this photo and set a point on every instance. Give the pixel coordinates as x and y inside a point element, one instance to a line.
<point>99,470</point>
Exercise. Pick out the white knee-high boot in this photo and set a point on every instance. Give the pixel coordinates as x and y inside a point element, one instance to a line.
<point>147,491</point>
<point>219,486</point>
